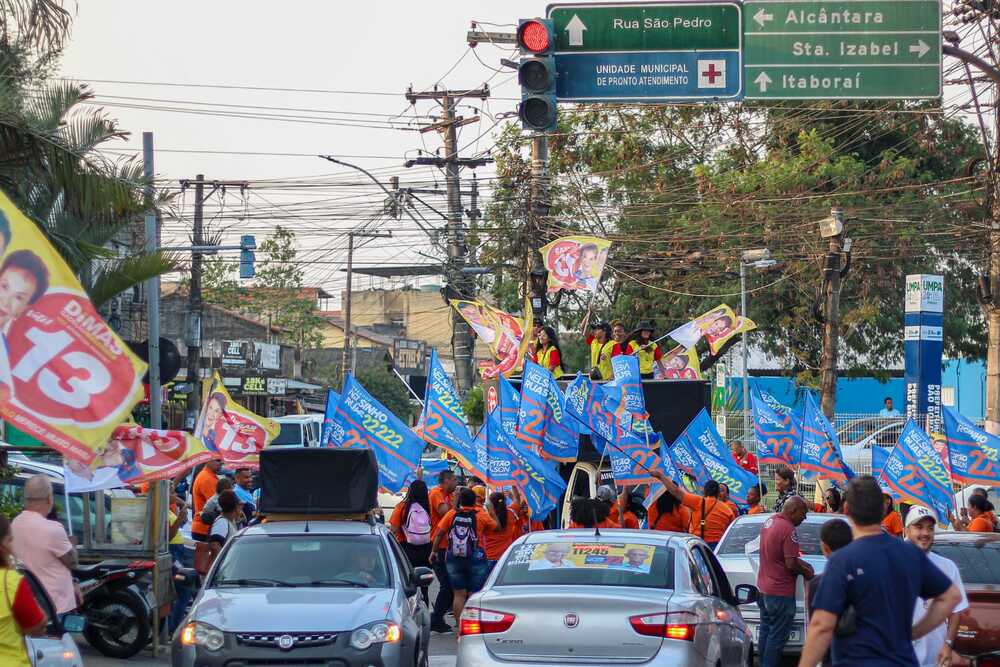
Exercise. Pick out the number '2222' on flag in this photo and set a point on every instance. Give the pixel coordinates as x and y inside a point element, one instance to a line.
<point>65,377</point>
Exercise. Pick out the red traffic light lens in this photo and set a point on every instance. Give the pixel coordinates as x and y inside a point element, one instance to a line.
<point>533,36</point>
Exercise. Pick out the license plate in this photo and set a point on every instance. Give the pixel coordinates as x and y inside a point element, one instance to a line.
<point>794,638</point>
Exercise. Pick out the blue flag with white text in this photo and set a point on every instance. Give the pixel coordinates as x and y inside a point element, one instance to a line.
<point>326,433</point>
<point>973,453</point>
<point>716,458</point>
<point>542,420</point>
<point>443,422</point>
<point>914,472</point>
<point>778,430</point>
<point>362,422</point>
<point>820,451</point>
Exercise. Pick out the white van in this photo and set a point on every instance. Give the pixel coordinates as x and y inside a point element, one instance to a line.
<point>583,483</point>
<point>299,430</point>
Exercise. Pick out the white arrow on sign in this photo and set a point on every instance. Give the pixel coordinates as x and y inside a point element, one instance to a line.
<point>920,48</point>
<point>762,17</point>
<point>763,80</point>
<point>575,28</point>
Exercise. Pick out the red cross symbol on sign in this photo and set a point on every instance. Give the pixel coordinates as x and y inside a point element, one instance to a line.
<point>711,73</point>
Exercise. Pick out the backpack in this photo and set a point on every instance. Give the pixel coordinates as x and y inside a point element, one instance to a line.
<point>463,541</point>
<point>417,527</point>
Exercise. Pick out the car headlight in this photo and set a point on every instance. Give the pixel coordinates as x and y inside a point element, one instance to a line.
<point>203,635</point>
<point>382,632</point>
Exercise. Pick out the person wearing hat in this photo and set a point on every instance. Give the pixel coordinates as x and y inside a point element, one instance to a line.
<point>641,345</point>
<point>934,648</point>
<point>602,348</point>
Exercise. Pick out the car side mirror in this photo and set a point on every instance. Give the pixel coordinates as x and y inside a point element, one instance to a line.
<point>746,594</point>
<point>73,623</point>
<point>423,576</point>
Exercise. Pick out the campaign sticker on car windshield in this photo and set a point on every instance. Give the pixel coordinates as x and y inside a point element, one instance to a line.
<point>559,555</point>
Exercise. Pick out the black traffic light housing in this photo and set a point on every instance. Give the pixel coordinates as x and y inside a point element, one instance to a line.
<point>537,75</point>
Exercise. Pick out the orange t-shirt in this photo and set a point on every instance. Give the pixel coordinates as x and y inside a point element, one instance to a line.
<point>757,509</point>
<point>630,520</point>
<point>536,525</point>
<point>734,507</point>
<point>202,489</point>
<point>893,523</point>
<point>484,524</point>
<point>497,541</point>
<point>677,521</point>
<point>718,516</point>
<point>396,521</point>
<point>981,524</point>
<point>435,497</point>
<point>615,515</point>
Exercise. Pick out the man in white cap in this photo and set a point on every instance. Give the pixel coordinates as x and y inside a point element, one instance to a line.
<point>935,648</point>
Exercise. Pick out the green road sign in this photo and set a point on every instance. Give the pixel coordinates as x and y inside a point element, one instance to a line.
<point>645,27</point>
<point>842,49</point>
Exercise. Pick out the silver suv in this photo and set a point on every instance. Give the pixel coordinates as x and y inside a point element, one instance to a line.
<point>307,593</point>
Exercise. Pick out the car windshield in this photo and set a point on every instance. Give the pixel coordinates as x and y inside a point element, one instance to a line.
<point>978,563</point>
<point>588,563</point>
<point>349,561</point>
<point>736,539</point>
<point>290,434</point>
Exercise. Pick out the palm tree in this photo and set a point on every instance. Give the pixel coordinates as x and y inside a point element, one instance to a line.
<point>50,163</point>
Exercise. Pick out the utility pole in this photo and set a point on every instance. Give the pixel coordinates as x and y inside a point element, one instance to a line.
<point>833,229</point>
<point>195,306</point>
<point>462,342</point>
<point>347,358</point>
<point>539,210</point>
<point>152,289</point>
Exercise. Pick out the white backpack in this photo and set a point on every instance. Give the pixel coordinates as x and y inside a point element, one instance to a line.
<point>417,527</point>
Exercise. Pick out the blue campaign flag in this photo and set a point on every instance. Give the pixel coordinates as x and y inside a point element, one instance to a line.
<point>914,472</point>
<point>431,468</point>
<point>716,459</point>
<point>510,405</point>
<point>879,456</point>
<point>629,379</point>
<point>820,452</point>
<point>688,461</point>
<point>670,469</point>
<point>500,464</point>
<point>539,479</point>
<point>326,433</point>
<point>974,454</point>
<point>443,421</point>
<point>778,431</point>
<point>363,422</point>
<point>542,421</point>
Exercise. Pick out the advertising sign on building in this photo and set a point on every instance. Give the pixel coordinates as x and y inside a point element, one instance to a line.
<point>234,353</point>
<point>254,385</point>
<point>923,345</point>
<point>409,356</point>
<point>277,386</point>
<point>267,356</point>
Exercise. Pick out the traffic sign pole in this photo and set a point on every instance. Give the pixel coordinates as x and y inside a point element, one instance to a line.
<point>842,49</point>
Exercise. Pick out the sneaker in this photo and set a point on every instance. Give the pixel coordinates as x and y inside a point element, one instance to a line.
<point>441,627</point>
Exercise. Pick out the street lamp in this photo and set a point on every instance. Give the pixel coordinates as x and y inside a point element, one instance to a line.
<point>758,258</point>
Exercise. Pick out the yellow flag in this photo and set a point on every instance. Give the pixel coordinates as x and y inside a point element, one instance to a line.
<point>66,378</point>
<point>226,428</point>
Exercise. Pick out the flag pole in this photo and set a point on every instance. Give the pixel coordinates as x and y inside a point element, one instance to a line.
<point>407,385</point>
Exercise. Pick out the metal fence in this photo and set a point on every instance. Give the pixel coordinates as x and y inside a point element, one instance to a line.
<point>857,432</point>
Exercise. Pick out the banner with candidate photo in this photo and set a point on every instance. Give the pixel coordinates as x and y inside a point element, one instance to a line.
<point>362,422</point>
<point>914,472</point>
<point>501,331</point>
<point>443,422</point>
<point>717,326</point>
<point>226,428</point>
<point>575,263</point>
<point>681,363</point>
<point>135,454</point>
<point>973,453</point>
<point>329,412</point>
<point>66,378</point>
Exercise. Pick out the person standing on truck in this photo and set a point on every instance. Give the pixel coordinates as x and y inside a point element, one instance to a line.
<point>643,347</point>
<point>602,349</point>
<point>441,498</point>
<point>548,354</point>
<point>710,516</point>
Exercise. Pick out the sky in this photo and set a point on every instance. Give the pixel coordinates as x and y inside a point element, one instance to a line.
<point>178,54</point>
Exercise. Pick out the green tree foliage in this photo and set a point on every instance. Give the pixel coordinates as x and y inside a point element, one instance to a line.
<point>474,406</point>
<point>276,294</point>
<point>49,160</point>
<point>683,191</point>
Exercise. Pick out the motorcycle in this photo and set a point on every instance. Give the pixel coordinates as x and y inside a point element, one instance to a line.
<point>117,605</point>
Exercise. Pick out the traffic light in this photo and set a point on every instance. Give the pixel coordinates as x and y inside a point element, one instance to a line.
<point>247,245</point>
<point>537,74</point>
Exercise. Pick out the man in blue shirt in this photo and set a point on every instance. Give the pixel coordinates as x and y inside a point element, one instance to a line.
<point>888,410</point>
<point>876,580</point>
<point>244,481</point>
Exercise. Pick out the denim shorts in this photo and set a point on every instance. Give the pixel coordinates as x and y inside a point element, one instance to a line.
<point>467,574</point>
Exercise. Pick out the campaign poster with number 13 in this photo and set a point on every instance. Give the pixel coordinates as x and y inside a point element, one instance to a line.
<point>65,377</point>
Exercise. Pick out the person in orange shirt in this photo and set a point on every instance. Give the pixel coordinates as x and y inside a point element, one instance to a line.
<point>710,516</point>
<point>668,514</point>
<point>606,495</point>
<point>631,508</point>
<point>724,497</point>
<point>979,510</point>
<point>891,521</point>
<point>508,528</point>
<point>590,513</point>
<point>441,499</point>
<point>203,489</point>
<point>753,500</point>
<point>466,529</point>
<point>412,517</point>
